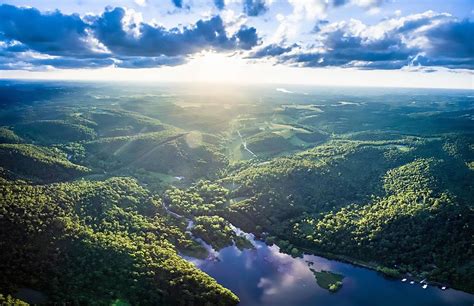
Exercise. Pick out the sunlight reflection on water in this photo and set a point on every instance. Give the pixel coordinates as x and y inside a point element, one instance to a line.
<point>265,277</point>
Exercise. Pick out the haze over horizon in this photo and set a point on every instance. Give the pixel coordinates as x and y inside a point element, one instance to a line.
<point>349,43</point>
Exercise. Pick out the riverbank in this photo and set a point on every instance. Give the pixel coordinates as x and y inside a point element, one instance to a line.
<point>264,276</point>
<point>385,271</point>
<point>391,273</point>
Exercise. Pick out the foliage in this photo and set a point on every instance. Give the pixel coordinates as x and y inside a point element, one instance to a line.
<point>8,136</point>
<point>9,300</point>
<point>410,229</point>
<point>214,230</point>
<point>167,152</point>
<point>113,123</point>
<point>371,201</point>
<point>203,198</point>
<point>328,280</point>
<point>268,142</point>
<point>54,131</point>
<point>389,185</point>
<point>95,242</point>
<point>312,136</point>
<point>38,163</point>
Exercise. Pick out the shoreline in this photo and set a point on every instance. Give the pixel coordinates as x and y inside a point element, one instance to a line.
<point>376,267</point>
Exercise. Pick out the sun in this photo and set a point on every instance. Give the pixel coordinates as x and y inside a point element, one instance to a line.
<point>210,66</point>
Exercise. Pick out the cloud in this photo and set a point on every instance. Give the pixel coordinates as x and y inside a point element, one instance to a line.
<point>52,33</point>
<point>150,40</point>
<point>72,63</point>
<point>271,51</point>
<point>368,4</point>
<point>178,3</point>
<point>312,9</point>
<point>427,39</point>
<point>308,9</point>
<point>319,24</point>
<point>247,37</point>
<point>141,2</point>
<point>31,39</point>
<point>149,62</point>
<point>219,4</point>
<point>452,39</point>
<point>116,37</point>
<point>254,7</point>
<point>315,10</point>
<point>122,62</point>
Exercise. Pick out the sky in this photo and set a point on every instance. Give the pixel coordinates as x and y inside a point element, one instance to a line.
<point>390,43</point>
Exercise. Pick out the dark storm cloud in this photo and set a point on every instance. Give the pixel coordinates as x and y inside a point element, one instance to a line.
<point>247,38</point>
<point>155,40</point>
<point>254,7</point>
<point>70,41</point>
<point>447,62</point>
<point>428,40</point>
<point>453,39</point>
<point>52,33</point>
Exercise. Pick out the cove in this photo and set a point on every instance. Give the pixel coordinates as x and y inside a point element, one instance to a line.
<point>265,277</point>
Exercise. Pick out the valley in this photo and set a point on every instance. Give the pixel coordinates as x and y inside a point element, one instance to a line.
<point>165,195</point>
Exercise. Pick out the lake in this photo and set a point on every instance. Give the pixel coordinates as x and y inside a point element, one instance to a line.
<point>265,277</point>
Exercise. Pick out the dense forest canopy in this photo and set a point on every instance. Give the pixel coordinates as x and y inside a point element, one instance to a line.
<point>105,191</point>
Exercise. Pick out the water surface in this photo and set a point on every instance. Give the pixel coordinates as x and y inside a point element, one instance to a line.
<point>265,277</point>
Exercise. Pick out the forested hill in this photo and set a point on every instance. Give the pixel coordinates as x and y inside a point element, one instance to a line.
<point>105,192</point>
<point>382,202</point>
<point>96,242</point>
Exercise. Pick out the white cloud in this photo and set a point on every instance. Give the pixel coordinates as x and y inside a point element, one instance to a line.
<point>130,22</point>
<point>141,2</point>
<point>367,3</point>
<point>416,40</point>
<point>374,11</point>
<point>304,11</point>
<point>308,9</point>
<point>233,21</point>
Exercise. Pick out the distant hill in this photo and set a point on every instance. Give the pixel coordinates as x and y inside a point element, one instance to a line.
<point>170,151</point>
<point>112,123</point>
<point>37,163</point>
<point>54,131</point>
<point>268,142</point>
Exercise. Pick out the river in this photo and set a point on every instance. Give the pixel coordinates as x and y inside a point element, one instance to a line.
<point>263,276</point>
